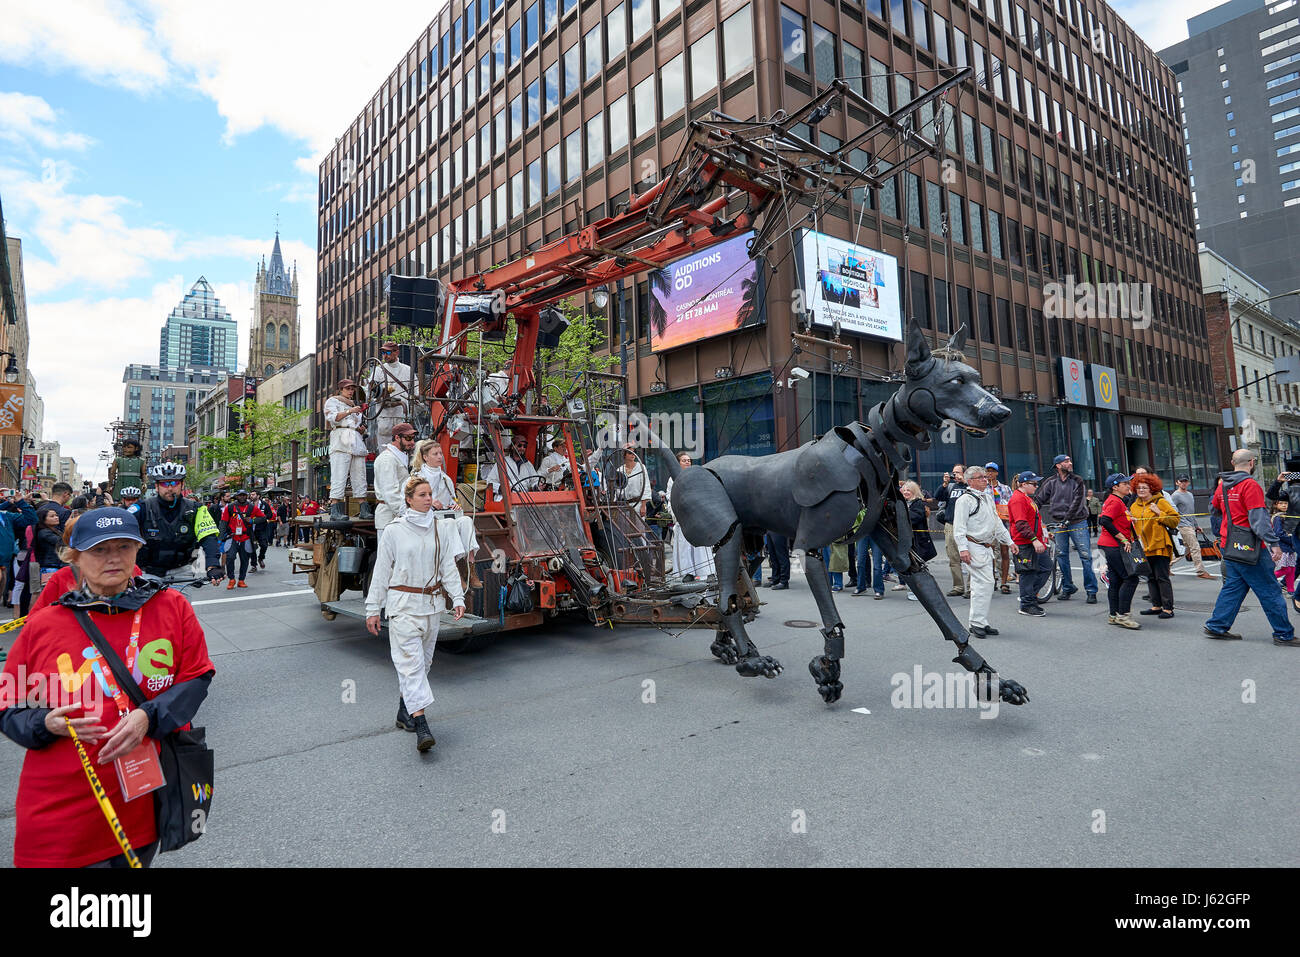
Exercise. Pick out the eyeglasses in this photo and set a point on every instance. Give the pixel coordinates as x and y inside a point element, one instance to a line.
<point>170,483</point>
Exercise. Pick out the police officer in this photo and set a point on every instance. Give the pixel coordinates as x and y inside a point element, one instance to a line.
<point>173,526</point>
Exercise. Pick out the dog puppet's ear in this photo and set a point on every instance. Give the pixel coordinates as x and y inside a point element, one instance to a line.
<point>918,350</point>
<point>958,341</point>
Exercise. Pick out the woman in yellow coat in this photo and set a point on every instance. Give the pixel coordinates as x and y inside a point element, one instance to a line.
<point>1153,517</point>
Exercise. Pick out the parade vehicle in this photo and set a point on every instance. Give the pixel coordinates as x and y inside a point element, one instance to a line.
<point>579,547</point>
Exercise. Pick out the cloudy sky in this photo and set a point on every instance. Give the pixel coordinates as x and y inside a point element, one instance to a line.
<point>144,143</point>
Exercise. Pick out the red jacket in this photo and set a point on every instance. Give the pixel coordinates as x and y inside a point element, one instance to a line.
<point>239,521</point>
<point>58,821</point>
<point>1026,523</point>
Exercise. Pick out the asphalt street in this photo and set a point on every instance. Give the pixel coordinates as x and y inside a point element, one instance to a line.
<point>573,745</point>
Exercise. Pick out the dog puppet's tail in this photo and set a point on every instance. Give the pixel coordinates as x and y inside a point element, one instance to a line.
<point>646,436</point>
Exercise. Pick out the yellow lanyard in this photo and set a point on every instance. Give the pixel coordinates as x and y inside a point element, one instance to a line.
<point>105,804</point>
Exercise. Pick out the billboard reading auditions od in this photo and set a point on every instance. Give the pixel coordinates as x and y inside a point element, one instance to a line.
<point>707,294</point>
<point>852,285</point>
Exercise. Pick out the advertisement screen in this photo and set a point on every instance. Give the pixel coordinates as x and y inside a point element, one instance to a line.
<point>706,294</point>
<point>852,285</point>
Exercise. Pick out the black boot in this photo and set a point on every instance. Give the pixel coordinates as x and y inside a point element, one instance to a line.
<point>367,510</point>
<point>338,512</point>
<point>404,720</point>
<point>423,736</point>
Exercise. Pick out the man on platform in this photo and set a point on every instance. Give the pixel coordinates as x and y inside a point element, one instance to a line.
<point>347,450</point>
<point>392,469</point>
<point>520,474</point>
<point>389,385</point>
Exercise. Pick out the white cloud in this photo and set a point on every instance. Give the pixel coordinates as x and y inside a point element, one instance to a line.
<point>1156,24</point>
<point>28,120</point>
<point>79,349</point>
<point>86,234</point>
<point>306,68</point>
<point>104,40</point>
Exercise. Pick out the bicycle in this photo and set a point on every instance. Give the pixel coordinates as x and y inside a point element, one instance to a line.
<point>1052,583</point>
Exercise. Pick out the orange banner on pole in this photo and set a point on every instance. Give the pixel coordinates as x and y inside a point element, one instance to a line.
<point>12,399</point>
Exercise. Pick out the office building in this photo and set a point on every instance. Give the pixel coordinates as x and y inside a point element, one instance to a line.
<point>1238,83</point>
<point>510,125</point>
<point>199,333</point>
<point>165,400</point>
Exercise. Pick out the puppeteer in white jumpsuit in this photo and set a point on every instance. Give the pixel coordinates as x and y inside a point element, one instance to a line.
<point>689,559</point>
<point>389,385</point>
<point>415,575</point>
<point>347,450</point>
<point>440,484</point>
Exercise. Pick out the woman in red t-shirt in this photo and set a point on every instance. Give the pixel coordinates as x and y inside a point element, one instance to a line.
<point>59,821</point>
<point>1115,539</point>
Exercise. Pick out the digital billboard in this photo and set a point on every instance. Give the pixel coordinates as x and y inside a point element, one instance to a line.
<point>852,285</point>
<point>706,294</point>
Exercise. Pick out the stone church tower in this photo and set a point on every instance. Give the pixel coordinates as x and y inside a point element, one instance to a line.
<point>273,339</point>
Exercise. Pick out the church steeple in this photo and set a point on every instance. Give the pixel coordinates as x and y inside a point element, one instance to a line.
<point>273,342</point>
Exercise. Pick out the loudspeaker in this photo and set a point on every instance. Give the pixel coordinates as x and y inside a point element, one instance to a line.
<point>550,326</point>
<point>478,308</point>
<point>414,301</point>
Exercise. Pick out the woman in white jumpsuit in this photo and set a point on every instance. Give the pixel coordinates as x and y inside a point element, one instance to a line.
<point>428,464</point>
<point>415,572</point>
<point>689,561</point>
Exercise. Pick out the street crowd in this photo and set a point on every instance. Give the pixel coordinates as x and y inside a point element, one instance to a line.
<point>997,536</point>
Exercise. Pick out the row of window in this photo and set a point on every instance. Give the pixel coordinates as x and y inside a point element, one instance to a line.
<point>604,134</point>
<point>998,321</point>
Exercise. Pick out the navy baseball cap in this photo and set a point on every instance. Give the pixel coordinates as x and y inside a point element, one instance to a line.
<point>991,467</point>
<point>1060,458</point>
<point>1115,478</point>
<point>102,525</point>
<point>1028,476</point>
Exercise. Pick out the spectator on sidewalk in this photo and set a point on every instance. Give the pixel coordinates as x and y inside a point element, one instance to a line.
<point>1115,541</point>
<point>1094,512</point>
<point>1185,502</point>
<point>1063,499</point>
<point>1154,520</point>
<point>977,531</point>
<point>1033,566</point>
<point>1239,501</point>
<point>952,486</point>
<point>922,541</point>
<point>778,551</point>
<point>1002,500</point>
<point>1286,567</point>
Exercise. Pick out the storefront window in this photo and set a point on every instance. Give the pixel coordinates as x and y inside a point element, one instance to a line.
<point>739,418</point>
<point>1051,436</point>
<point>1196,451</point>
<point>1209,437</point>
<point>841,410</point>
<point>1270,457</point>
<point>986,449</point>
<point>1018,435</point>
<point>1178,437</point>
<point>681,406</point>
<point>1083,446</point>
<point>1162,452</point>
<point>1112,458</point>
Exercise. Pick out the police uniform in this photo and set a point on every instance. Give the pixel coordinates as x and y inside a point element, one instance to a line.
<point>171,533</point>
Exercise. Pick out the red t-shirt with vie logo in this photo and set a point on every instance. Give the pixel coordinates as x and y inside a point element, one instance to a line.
<point>59,822</point>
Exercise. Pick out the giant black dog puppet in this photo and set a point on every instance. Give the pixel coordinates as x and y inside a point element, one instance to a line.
<point>813,494</point>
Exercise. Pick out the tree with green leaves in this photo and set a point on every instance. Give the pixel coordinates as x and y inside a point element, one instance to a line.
<point>261,447</point>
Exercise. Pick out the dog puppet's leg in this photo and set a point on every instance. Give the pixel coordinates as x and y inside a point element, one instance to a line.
<point>930,595</point>
<point>749,662</point>
<point>825,668</point>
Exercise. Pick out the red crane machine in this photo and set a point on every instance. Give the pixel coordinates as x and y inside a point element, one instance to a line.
<point>577,547</point>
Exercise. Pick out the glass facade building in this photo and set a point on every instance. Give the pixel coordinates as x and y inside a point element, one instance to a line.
<point>199,332</point>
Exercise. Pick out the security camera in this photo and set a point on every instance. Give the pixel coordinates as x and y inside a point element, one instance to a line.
<point>799,373</point>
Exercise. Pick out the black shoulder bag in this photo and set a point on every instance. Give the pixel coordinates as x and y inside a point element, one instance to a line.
<point>182,804</point>
<point>1243,544</point>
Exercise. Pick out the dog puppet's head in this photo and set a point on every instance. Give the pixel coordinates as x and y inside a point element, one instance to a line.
<point>940,387</point>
